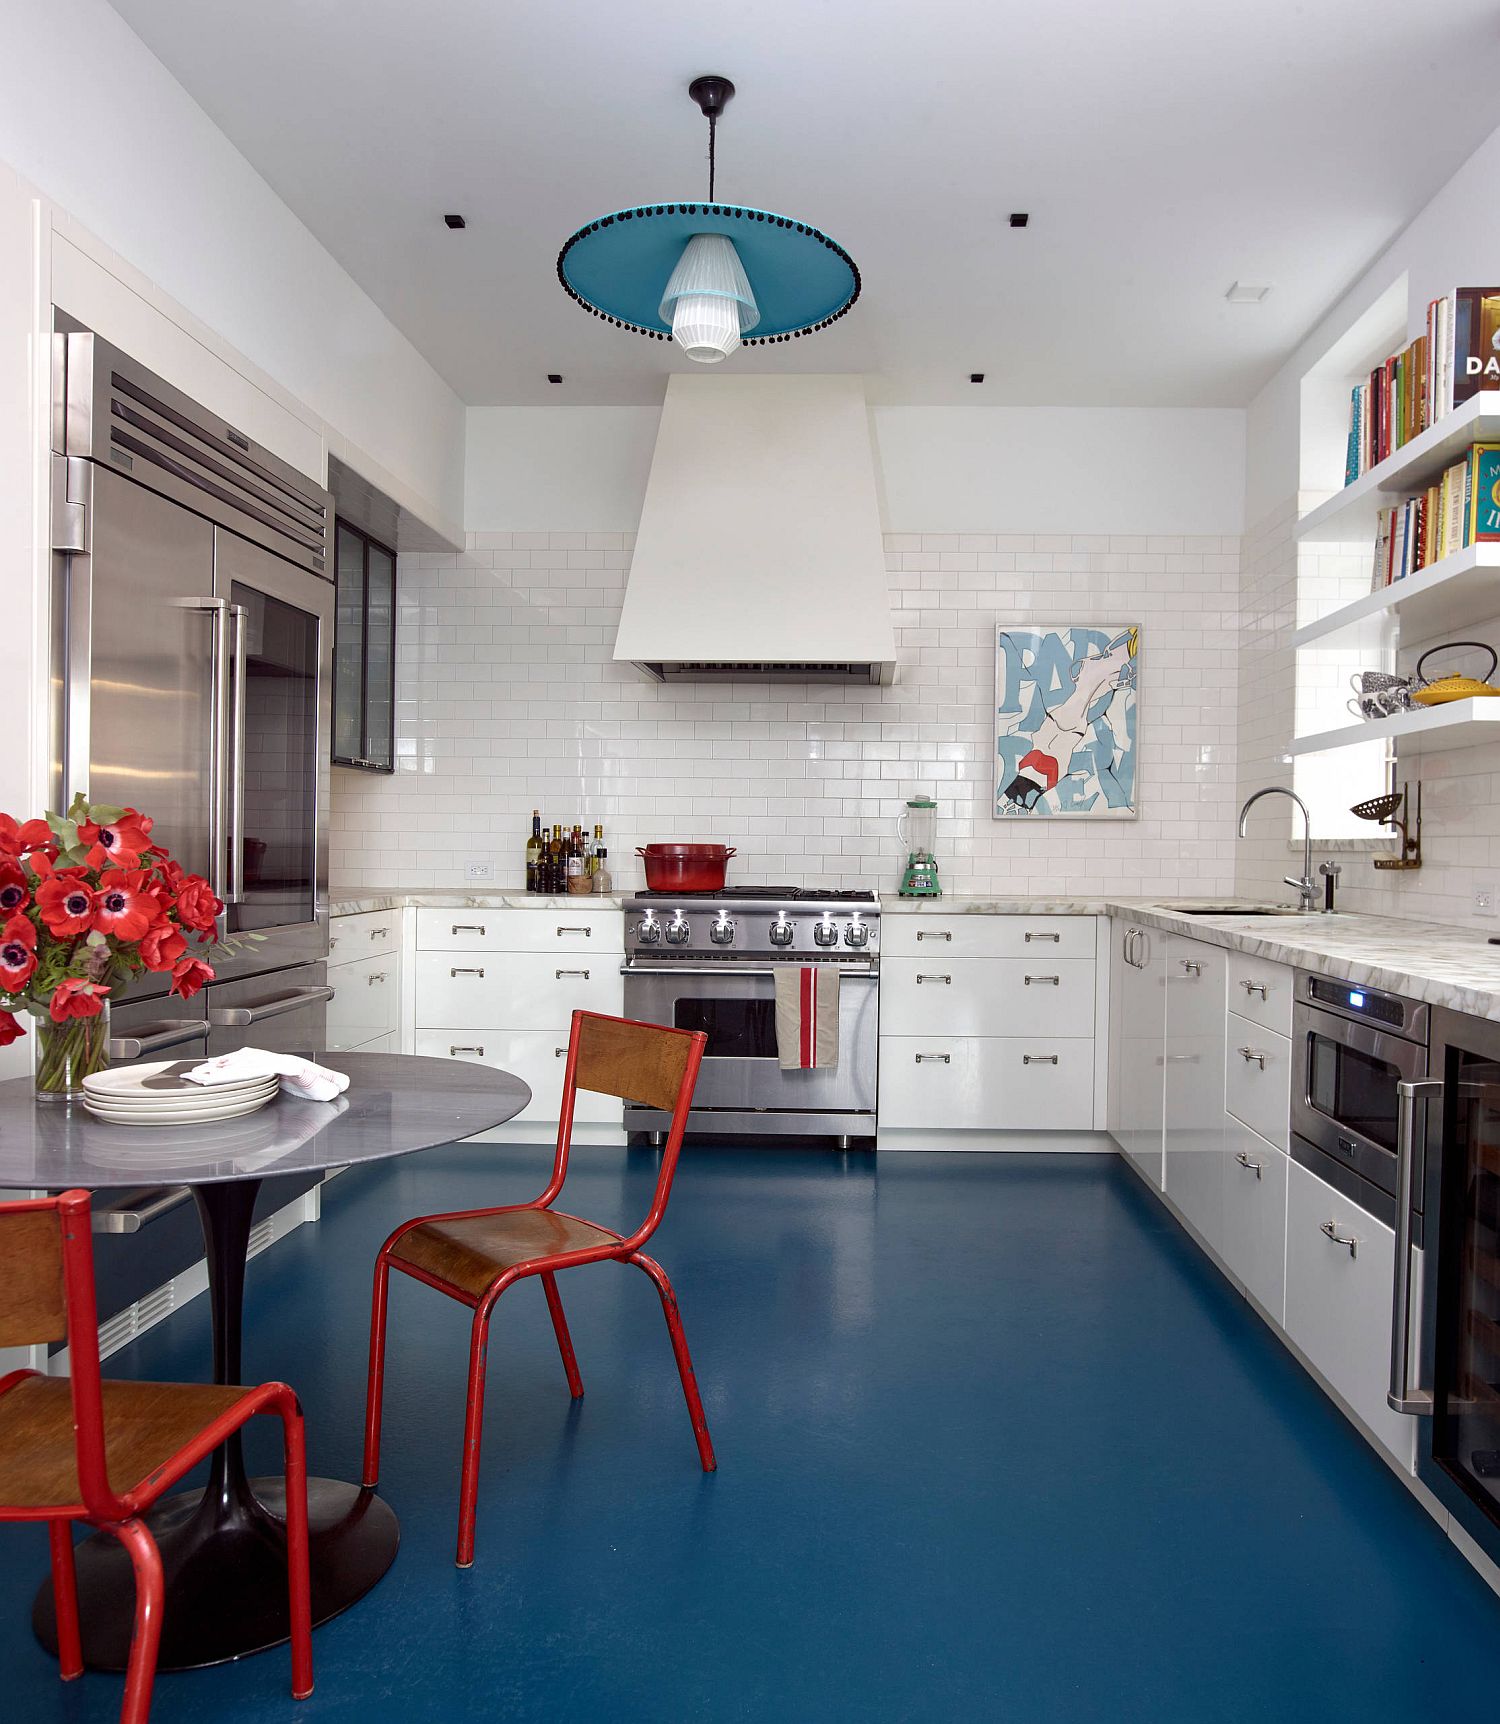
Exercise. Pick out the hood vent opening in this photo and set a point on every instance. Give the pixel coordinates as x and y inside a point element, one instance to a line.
<point>744,671</point>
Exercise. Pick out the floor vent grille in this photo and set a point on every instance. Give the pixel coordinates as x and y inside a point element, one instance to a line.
<point>261,1235</point>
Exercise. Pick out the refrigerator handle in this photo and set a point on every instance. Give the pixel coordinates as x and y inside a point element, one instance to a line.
<point>1400,1395</point>
<point>236,836</point>
<point>218,796</point>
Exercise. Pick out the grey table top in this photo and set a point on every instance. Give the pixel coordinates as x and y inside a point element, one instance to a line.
<point>395,1103</point>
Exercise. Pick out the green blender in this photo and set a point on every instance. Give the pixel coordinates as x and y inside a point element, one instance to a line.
<point>917,831</point>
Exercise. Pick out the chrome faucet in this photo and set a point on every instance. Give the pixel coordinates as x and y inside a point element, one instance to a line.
<point>1306,886</point>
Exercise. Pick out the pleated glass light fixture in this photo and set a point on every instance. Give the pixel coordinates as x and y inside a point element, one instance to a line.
<point>708,301</point>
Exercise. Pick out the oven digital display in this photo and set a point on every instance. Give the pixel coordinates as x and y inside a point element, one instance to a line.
<point>1369,1004</point>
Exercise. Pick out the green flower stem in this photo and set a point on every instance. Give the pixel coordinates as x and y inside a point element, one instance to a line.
<point>70,1052</point>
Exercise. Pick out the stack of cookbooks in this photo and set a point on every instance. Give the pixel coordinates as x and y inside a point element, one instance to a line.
<point>1461,509</point>
<point>1458,355</point>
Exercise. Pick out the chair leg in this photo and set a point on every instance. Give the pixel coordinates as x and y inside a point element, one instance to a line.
<point>145,1637</point>
<point>375,1386</point>
<point>564,1339</point>
<point>683,1357</point>
<point>65,1599</point>
<point>468,1489</point>
<point>299,1585</point>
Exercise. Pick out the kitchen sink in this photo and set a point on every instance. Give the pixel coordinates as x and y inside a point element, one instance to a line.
<point>1200,909</point>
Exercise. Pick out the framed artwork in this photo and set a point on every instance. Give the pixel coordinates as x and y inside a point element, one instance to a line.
<point>1065,722</point>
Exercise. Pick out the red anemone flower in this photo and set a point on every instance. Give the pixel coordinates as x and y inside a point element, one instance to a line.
<point>76,997</point>
<point>66,902</point>
<point>197,907</point>
<point>17,837</point>
<point>119,844</point>
<point>162,945</point>
<point>123,909</point>
<point>15,892</point>
<point>10,1030</point>
<point>189,976</point>
<point>17,954</point>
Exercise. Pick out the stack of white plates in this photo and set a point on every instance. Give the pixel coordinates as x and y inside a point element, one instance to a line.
<point>158,1094</point>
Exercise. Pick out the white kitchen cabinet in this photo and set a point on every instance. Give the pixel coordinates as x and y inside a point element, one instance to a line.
<point>1137,1030</point>
<point>1258,1079</point>
<point>364,934</point>
<point>1340,1263</point>
<point>1252,1241</point>
<point>568,932</point>
<point>987,996</point>
<point>946,1083</point>
<point>932,934</point>
<point>1261,992</point>
<point>537,1057</point>
<point>1193,1101</point>
<point>514,990</point>
<point>364,971</point>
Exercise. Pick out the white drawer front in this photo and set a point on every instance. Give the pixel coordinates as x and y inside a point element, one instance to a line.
<point>1258,1080</point>
<point>986,1083</point>
<point>1253,1241</point>
<point>370,934</point>
<point>926,936</point>
<point>515,990</point>
<point>1042,996</point>
<point>1338,1306</point>
<point>366,1001</point>
<point>536,1057</point>
<point>1261,992</point>
<point>585,930</point>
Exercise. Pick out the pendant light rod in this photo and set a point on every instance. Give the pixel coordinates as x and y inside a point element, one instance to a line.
<point>711,92</point>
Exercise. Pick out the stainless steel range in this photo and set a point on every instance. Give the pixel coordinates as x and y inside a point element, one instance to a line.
<point>708,962</point>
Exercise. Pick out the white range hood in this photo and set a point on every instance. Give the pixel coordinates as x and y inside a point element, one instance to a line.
<point>759,555</point>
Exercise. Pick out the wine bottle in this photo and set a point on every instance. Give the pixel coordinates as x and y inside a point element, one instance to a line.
<point>557,870</point>
<point>534,853</point>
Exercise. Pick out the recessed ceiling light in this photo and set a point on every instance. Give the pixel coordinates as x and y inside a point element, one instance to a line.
<point>976,377</point>
<point>1247,292</point>
<point>455,221</point>
<point>554,377</point>
<point>1019,219</point>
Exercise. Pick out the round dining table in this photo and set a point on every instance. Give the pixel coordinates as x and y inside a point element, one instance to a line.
<point>224,1548</point>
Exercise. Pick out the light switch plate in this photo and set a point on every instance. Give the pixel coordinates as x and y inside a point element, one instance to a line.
<point>479,870</point>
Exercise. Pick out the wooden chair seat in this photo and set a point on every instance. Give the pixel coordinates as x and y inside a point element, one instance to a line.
<point>145,1425</point>
<point>469,1253</point>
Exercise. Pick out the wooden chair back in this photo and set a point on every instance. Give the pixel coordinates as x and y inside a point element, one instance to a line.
<point>33,1298</point>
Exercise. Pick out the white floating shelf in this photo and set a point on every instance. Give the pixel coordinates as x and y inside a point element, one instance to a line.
<point>1457,724</point>
<point>1349,515</point>
<point>1461,589</point>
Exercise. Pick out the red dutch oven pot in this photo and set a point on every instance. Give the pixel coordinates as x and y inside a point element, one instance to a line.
<point>685,867</point>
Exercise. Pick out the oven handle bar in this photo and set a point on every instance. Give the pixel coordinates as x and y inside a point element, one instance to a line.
<point>1401,1396</point>
<point>861,972</point>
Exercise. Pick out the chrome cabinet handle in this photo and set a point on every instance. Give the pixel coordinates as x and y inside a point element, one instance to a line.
<point>1038,1059</point>
<point>457,1049</point>
<point>237,1017</point>
<point>171,1033</point>
<point>559,974</point>
<point>1191,967</point>
<point>1030,936</point>
<point>560,1053</point>
<point>1249,1166</point>
<point>1331,1230</point>
<point>219,763</point>
<point>463,972</point>
<point>1248,1054</point>
<point>468,927</point>
<point>239,617</point>
<point>379,976</point>
<point>379,933</point>
<point>1402,1396</point>
<point>586,932</point>
<point>132,1215</point>
<point>933,934</point>
<point>1051,981</point>
<point>1132,935</point>
<point>944,979</point>
<point>945,1058</point>
<point>1256,988</point>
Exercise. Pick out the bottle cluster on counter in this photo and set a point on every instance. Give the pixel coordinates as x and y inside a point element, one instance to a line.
<point>567,861</point>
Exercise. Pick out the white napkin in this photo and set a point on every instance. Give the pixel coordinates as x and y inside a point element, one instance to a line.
<point>300,1078</point>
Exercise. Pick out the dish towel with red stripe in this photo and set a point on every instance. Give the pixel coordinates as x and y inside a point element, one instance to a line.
<point>807,1016</point>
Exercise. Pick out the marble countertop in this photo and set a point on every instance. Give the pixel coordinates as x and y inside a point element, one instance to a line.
<point>351,900</point>
<point>891,905</point>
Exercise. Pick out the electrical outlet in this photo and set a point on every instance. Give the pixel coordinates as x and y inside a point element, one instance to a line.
<point>1484,898</point>
<point>478,870</point>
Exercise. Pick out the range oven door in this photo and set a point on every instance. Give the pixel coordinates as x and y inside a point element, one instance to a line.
<point>1344,1097</point>
<point>735,1005</point>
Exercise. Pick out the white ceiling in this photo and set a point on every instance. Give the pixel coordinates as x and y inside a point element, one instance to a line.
<point>1164,148</point>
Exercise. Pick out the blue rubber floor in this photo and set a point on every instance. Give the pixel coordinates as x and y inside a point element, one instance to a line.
<point>994,1443</point>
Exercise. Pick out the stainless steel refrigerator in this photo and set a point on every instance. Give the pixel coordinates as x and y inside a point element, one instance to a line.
<point>192,648</point>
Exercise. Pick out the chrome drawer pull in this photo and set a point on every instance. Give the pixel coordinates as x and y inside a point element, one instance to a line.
<point>586,932</point>
<point>455,1051</point>
<point>560,1053</point>
<point>559,974</point>
<point>1054,938</point>
<point>1038,1059</point>
<point>943,979</point>
<point>379,933</point>
<point>379,976</point>
<point>1256,988</point>
<point>1250,1166</point>
<point>1053,981</point>
<point>1191,967</point>
<point>466,972</point>
<point>1331,1229</point>
<point>932,934</point>
<point>468,927</point>
<point>1248,1054</point>
<point>945,1058</point>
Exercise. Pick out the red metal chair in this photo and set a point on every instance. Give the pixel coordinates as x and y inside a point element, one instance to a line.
<point>67,1444</point>
<point>474,1255</point>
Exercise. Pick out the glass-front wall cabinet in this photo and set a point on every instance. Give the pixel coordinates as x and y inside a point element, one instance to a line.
<point>364,653</point>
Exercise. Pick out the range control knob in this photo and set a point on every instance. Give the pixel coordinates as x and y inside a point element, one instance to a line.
<point>782,931</point>
<point>678,931</point>
<point>648,932</point>
<point>856,934</point>
<point>721,932</point>
<point>824,932</point>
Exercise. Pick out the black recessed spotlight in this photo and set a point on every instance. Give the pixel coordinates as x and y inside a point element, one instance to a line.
<point>976,377</point>
<point>1019,219</point>
<point>554,377</point>
<point>456,221</point>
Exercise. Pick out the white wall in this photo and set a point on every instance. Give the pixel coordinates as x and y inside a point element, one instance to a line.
<point>555,469</point>
<point>97,124</point>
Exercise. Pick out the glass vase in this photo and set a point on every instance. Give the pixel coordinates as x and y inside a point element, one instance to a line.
<point>69,1052</point>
